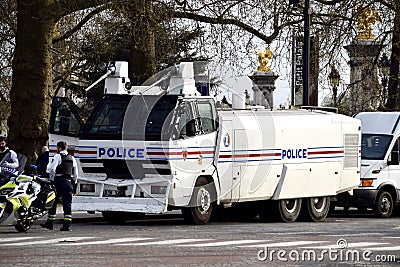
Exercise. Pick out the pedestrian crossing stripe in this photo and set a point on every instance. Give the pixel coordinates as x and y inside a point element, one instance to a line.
<point>166,242</point>
<point>384,248</point>
<point>223,243</point>
<point>190,242</point>
<point>284,244</point>
<point>108,241</point>
<point>46,242</point>
<point>13,239</point>
<point>349,245</point>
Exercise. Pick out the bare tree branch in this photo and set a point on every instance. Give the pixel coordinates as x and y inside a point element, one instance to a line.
<point>77,27</point>
<point>229,21</point>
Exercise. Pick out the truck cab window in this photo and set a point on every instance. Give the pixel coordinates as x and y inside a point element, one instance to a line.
<point>186,122</point>
<point>207,119</point>
<point>64,120</point>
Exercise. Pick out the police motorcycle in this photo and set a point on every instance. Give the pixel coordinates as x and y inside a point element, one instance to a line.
<point>23,198</point>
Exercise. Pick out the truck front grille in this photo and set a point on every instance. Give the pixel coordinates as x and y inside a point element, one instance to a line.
<point>123,169</point>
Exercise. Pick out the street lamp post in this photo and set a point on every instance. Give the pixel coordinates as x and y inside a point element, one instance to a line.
<point>334,79</point>
<point>306,53</point>
<point>384,69</point>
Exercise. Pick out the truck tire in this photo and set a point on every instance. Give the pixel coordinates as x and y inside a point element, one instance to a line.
<point>286,210</point>
<point>289,209</point>
<point>201,205</point>
<point>384,205</point>
<point>316,208</point>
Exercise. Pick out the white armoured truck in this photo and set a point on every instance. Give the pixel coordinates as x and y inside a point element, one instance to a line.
<point>160,147</point>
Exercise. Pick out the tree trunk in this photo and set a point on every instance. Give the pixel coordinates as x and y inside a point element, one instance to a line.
<point>142,63</point>
<point>32,79</point>
<point>393,102</point>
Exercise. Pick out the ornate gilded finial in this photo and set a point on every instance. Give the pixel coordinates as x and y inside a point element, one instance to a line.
<point>263,58</point>
<point>365,17</point>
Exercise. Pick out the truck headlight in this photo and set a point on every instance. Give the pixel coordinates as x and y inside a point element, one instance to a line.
<point>159,190</point>
<point>87,188</point>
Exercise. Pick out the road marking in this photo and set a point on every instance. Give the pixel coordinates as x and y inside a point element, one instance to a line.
<point>385,248</point>
<point>47,241</point>
<point>284,244</point>
<point>349,245</point>
<point>299,233</point>
<point>223,243</point>
<point>166,242</point>
<point>109,241</point>
<point>358,234</point>
<point>13,239</point>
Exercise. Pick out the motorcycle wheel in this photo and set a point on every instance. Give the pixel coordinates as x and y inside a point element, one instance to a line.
<point>23,225</point>
<point>25,220</point>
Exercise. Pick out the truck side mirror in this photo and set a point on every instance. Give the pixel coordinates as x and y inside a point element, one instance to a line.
<point>191,128</point>
<point>394,158</point>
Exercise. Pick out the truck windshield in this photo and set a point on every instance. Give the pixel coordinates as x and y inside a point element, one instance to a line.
<point>374,146</point>
<point>131,117</point>
<point>107,118</point>
<point>149,117</point>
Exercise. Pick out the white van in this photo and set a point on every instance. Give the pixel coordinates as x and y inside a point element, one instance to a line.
<point>380,170</point>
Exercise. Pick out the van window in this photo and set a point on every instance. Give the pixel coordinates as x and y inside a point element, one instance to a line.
<point>394,155</point>
<point>374,146</point>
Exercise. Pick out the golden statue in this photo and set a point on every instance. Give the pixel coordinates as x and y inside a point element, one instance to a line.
<point>263,58</point>
<point>365,17</point>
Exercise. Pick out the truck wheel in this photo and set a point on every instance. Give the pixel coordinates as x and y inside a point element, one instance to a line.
<point>317,208</point>
<point>201,204</point>
<point>384,205</point>
<point>289,209</point>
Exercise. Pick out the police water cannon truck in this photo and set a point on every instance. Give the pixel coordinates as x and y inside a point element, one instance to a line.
<point>164,146</point>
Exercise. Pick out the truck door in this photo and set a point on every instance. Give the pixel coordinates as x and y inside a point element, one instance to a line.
<point>65,122</point>
<point>393,164</point>
<point>239,161</point>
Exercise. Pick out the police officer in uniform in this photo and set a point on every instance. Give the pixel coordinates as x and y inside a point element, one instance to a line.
<point>64,173</point>
<point>8,157</point>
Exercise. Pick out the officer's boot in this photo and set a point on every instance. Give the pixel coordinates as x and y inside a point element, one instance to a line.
<point>66,224</point>
<point>49,223</point>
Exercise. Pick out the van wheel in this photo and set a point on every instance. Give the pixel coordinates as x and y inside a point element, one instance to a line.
<point>201,205</point>
<point>289,209</point>
<point>384,205</point>
<point>317,208</point>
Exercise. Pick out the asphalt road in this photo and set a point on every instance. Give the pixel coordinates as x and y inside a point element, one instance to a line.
<point>342,240</point>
